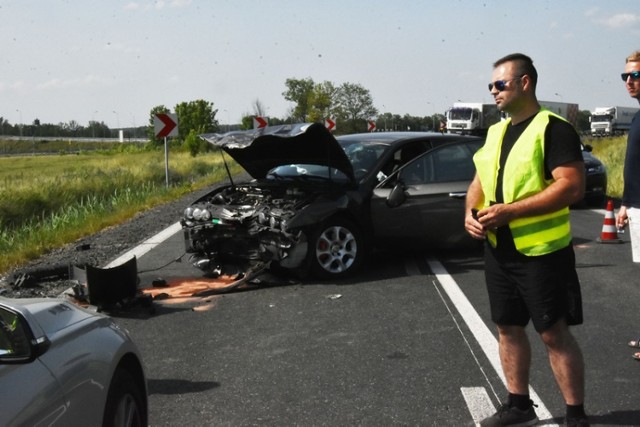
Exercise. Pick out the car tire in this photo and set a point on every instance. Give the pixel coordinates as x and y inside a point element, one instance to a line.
<point>125,402</point>
<point>336,249</point>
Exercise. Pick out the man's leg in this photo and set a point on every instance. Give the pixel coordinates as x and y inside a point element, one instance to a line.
<point>566,362</point>
<point>515,356</point>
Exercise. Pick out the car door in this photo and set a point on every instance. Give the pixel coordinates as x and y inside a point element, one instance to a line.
<point>433,188</point>
<point>31,393</point>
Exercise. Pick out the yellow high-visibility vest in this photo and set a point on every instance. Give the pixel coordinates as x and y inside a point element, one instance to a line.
<point>523,177</point>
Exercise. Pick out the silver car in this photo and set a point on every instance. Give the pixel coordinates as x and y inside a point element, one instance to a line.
<point>63,365</point>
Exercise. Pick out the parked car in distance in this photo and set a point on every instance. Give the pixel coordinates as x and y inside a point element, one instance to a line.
<point>62,365</point>
<point>318,203</point>
<point>596,178</point>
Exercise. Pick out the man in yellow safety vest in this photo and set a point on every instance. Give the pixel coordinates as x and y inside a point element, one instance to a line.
<point>529,172</point>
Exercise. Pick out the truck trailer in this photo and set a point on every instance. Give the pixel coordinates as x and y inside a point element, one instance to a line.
<point>610,121</point>
<point>564,109</point>
<point>471,118</point>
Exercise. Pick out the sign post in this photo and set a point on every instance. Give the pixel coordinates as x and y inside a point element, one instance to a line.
<point>165,125</point>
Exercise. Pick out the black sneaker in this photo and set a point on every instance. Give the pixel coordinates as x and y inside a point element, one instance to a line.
<point>511,416</point>
<point>576,422</point>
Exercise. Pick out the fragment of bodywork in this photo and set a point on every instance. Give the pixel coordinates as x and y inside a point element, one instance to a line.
<point>107,287</point>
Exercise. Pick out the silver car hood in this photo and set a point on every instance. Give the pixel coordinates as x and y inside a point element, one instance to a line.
<point>260,150</point>
<point>51,314</point>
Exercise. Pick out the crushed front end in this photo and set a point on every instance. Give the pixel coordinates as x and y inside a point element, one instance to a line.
<point>242,229</point>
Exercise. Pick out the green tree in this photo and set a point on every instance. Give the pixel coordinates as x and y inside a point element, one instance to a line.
<point>299,91</point>
<point>194,144</point>
<point>584,121</point>
<point>354,106</point>
<point>321,99</point>
<point>198,116</point>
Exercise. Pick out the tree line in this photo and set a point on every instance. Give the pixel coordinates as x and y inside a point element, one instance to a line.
<point>350,105</point>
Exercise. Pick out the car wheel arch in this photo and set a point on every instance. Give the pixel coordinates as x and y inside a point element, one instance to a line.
<point>129,372</point>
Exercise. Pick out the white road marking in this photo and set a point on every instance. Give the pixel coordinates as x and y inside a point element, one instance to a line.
<point>146,246</point>
<point>480,331</point>
<point>478,402</point>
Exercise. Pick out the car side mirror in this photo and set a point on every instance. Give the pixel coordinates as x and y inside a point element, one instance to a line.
<point>397,195</point>
<point>17,343</point>
<point>588,148</point>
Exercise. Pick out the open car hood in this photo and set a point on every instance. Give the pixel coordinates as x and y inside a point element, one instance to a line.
<point>260,150</point>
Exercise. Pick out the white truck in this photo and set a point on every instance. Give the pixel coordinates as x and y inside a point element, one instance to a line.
<point>471,118</point>
<point>610,121</point>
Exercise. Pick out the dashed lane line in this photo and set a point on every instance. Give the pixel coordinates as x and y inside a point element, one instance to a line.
<point>478,402</point>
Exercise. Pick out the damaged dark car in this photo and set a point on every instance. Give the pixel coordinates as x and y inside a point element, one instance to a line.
<point>318,203</point>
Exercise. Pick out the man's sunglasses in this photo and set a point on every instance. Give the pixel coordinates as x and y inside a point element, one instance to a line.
<point>500,85</point>
<point>635,75</point>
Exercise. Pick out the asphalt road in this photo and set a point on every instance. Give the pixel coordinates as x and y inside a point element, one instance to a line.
<point>407,342</point>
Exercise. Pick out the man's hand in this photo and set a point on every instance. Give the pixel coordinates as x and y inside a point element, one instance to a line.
<point>473,226</point>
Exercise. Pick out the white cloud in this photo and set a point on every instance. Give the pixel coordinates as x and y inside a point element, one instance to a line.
<point>617,21</point>
<point>17,85</point>
<point>622,20</point>
<point>132,6</point>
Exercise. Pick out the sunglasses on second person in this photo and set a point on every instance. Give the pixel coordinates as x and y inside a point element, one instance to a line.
<point>635,75</point>
<point>500,85</point>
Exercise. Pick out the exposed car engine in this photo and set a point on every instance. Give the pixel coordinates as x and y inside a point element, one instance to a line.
<point>243,228</point>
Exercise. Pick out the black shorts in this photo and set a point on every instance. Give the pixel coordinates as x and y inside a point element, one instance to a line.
<point>543,289</point>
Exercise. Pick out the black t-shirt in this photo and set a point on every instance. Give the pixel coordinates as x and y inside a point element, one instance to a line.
<point>561,145</point>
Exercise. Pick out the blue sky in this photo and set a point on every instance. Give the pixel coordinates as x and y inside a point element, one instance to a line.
<point>113,61</point>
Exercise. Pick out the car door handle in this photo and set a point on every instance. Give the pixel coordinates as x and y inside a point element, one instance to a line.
<point>458,195</point>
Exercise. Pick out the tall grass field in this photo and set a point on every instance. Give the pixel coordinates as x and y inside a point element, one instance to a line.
<point>611,152</point>
<point>49,201</point>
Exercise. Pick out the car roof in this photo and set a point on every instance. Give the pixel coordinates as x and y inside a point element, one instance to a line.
<point>392,138</point>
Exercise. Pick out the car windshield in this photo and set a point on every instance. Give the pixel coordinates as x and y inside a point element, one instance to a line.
<point>306,172</point>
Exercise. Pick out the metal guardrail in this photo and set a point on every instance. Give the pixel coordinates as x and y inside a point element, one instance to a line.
<point>68,138</point>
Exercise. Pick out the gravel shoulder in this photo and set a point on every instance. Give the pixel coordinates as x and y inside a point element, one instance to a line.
<point>48,275</point>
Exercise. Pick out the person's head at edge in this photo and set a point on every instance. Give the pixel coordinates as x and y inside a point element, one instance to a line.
<point>632,84</point>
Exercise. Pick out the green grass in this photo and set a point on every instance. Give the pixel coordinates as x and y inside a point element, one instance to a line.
<point>49,201</point>
<point>611,151</point>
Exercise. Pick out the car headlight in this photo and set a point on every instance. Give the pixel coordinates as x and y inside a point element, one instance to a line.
<point>201,214</point>
<point>188,213</point>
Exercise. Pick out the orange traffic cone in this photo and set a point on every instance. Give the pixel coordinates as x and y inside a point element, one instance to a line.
<point>609,232</point>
